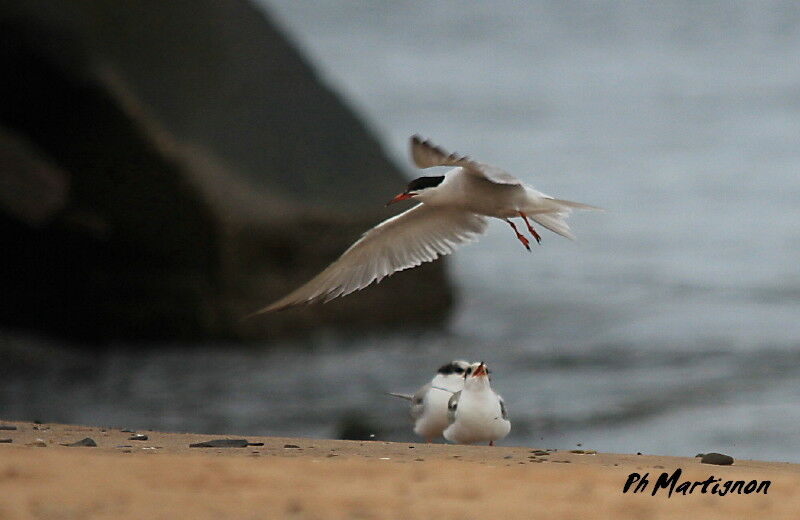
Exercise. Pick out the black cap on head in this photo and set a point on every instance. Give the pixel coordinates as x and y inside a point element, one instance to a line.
<point>451,368</point>
<point>424,182</point>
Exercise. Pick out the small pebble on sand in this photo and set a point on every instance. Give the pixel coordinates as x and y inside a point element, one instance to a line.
<point>86,442</point>
<point>221,443</point>
<point>719,459</point>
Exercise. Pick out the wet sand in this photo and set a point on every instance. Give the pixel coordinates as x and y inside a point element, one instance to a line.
<point>299,478</point>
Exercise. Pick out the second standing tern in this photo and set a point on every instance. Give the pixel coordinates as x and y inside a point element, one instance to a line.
<point>429,403</point>
<point>453,212</point>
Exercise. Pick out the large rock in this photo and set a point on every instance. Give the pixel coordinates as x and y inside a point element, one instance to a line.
<point>169,167</point>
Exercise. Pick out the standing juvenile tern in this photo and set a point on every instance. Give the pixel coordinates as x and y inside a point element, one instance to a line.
<point>453,212</point>
<point>477,413</point>
<point>429,403</point>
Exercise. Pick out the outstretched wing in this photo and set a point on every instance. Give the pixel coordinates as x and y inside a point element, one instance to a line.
<point>452,407</point>
<point>426,155</point>
<point>420,234</point>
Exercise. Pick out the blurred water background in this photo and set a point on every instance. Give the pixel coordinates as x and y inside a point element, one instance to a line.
<point>671,326</point>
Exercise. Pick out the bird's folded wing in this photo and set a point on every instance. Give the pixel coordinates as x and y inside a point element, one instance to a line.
<point>452,407</point>
<point>418,402</point>
<point>426,155</point>
<point>419,235</point>
<point>420,394</point>
<point>503,409</point>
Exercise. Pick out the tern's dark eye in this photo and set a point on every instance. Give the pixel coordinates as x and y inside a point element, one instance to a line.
<point>469,370</point>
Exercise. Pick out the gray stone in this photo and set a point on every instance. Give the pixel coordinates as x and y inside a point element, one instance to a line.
<point>717,458</point>
<point>221,443</point>
<point>86,442</point>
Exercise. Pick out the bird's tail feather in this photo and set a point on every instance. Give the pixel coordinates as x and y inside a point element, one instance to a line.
<point>575,205</point>
<point>555,222</point>
<point>555,218</point>
<point>552,214</point>
<point>407,397</point>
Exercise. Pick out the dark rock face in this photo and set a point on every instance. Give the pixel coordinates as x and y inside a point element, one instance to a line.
<point>169,167</point>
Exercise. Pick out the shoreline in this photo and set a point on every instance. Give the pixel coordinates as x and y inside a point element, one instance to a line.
<point>320,478</point>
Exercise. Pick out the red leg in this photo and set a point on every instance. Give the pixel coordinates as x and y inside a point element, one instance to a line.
<point>520,236</point>
<point>530,228</point>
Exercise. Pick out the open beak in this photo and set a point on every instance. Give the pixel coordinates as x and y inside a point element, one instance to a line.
<point>401,196</point>
<point>480,371</point>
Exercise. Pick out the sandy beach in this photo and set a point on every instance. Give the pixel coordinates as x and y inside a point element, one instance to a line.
<point>162,477</point>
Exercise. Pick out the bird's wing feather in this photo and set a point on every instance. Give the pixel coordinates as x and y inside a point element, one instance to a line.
<point>420,234</point>
<point>407,397</point>
<point>493,174</point>
<point>420,394</point>
<point>503,409</point>
<point>418,401</point>
<point>452,407</point>
<point>426,155</point>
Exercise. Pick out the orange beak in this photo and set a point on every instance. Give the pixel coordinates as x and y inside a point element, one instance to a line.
<point>480,371</point>
<point>401,196</point>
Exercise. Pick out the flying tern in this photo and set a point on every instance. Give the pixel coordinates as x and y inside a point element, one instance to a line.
<point>453,211</point>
